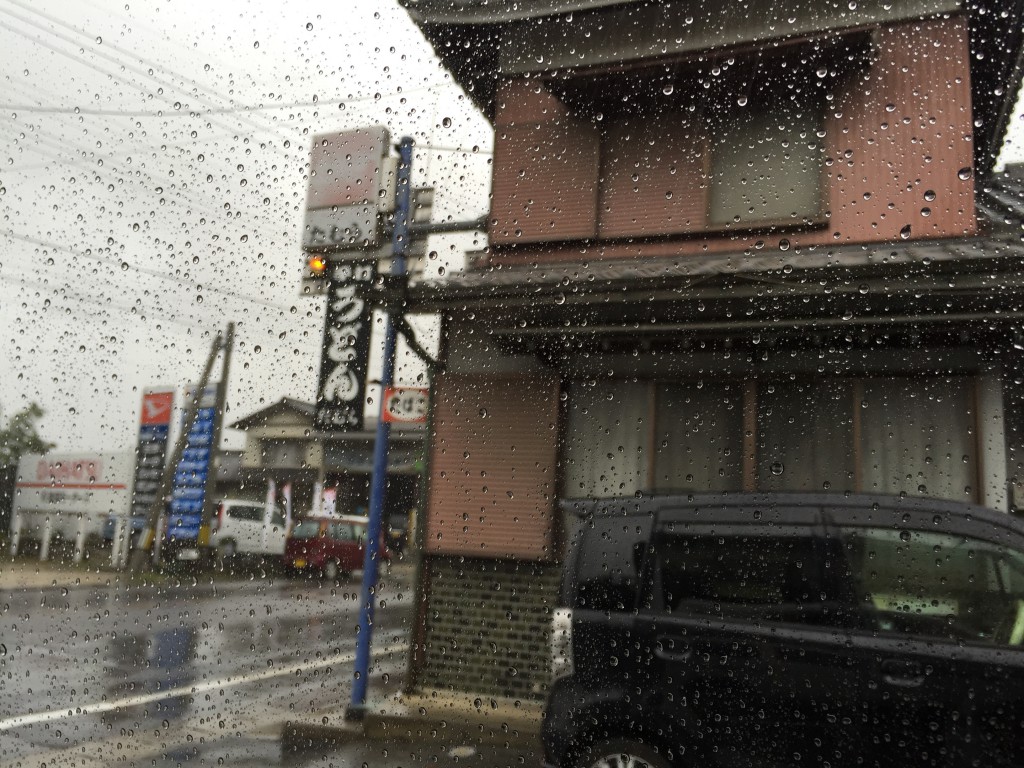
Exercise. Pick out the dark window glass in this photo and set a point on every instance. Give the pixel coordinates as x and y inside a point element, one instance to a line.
<point>766,166</point>
<point>252,514</point>
<point>769,577</point>
<point>609,563</point>
<point>937,585</point>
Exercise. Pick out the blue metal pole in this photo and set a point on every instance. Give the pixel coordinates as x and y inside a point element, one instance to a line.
<point>378,487</point>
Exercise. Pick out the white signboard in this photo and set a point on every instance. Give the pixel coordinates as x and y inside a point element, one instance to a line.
<point>347,227</point>
<point>68,488</point>
<point>347,173</point>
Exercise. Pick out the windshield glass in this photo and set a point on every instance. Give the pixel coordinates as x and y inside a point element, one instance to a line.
<point>576,383</point>
<point>307,529</point>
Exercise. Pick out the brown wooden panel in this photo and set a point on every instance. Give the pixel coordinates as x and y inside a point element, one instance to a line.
<point>900,137</point>
<point>526,101</point>
<point>653,178</point>
<point>545,182</point>
<point>492,467</point>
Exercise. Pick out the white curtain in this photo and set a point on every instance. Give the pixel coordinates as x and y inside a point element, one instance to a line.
<point>918,437</point>
<point>606,451</point>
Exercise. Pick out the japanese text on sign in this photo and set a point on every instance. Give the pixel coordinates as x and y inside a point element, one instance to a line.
<point>339,405</point>
<point>406,404</point>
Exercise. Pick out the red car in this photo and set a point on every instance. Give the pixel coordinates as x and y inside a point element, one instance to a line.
<point>332,546</point>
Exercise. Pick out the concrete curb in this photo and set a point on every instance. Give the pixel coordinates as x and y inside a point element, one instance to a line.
<point>442,720</point>
<point>300,736</point>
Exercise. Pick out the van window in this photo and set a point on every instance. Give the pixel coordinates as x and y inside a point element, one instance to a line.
<point>340,531</point>
<point>935,585</point>
<point>252,514</point>
<point>611,551</point>
<point>359,532</point>
<point>769,576</point>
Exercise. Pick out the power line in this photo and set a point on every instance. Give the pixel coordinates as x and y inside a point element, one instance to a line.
<point>244,109</point>
<point>237,111</point>
<point>177,188</point>
<point>90,64</point>
<point>154,66</point>
<point>138,313</point>
<point>119,171</point>
<point>152,272</point>
<point>140,150</point>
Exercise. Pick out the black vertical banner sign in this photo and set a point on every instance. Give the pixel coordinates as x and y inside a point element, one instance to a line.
<point>346,349</point>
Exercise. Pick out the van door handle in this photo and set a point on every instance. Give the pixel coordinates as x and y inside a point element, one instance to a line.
<point>902,674</point>
<point>672,649</point>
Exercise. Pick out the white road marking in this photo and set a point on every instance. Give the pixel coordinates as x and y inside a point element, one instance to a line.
<point>99,707</point>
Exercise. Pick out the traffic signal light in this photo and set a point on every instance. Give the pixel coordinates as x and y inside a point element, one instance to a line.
<point>314,275</point>
<point>317,265</point>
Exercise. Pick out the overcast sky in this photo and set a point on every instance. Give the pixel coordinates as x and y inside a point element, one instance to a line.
<point>152,186</point>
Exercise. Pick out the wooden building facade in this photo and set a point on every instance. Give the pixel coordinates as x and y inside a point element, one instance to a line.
<point>731,248</point>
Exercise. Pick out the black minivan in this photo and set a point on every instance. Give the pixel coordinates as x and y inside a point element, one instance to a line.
<point>786,630</point>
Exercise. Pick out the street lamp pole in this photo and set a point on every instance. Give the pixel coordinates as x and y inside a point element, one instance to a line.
<point>378,488</point>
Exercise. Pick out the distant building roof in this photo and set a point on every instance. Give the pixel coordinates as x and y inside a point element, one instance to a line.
<point>306,411</point>
<point>260,417</point>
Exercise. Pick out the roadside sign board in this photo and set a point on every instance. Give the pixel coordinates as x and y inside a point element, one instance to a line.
<point>347,173</point>
<point>72,489</point>
<point>407,405</point>
<point>151,448</point>
<point>188,491</point>
<point>346,349</point>
<point>349,226</point>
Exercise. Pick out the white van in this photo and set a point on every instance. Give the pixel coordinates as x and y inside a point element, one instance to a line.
<point>240,527</point>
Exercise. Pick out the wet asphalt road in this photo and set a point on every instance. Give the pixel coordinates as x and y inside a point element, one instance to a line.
<point>186,673</point>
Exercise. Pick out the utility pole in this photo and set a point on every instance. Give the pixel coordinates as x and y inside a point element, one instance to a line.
<point>218,422</point>
<point>378,488</point>
<point>139,556</point>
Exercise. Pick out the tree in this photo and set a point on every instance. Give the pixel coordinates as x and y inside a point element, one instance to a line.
<point>20,436</point>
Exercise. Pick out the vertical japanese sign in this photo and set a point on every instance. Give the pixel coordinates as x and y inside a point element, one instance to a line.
<point>151,449</point>
<point>189,489</point>
<point>342,388</point>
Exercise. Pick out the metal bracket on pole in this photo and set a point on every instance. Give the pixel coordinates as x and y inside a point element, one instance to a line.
<point>433,366</point>
<point>419,229</point>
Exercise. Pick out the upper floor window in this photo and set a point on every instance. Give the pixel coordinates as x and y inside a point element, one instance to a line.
<point>686,147</point>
